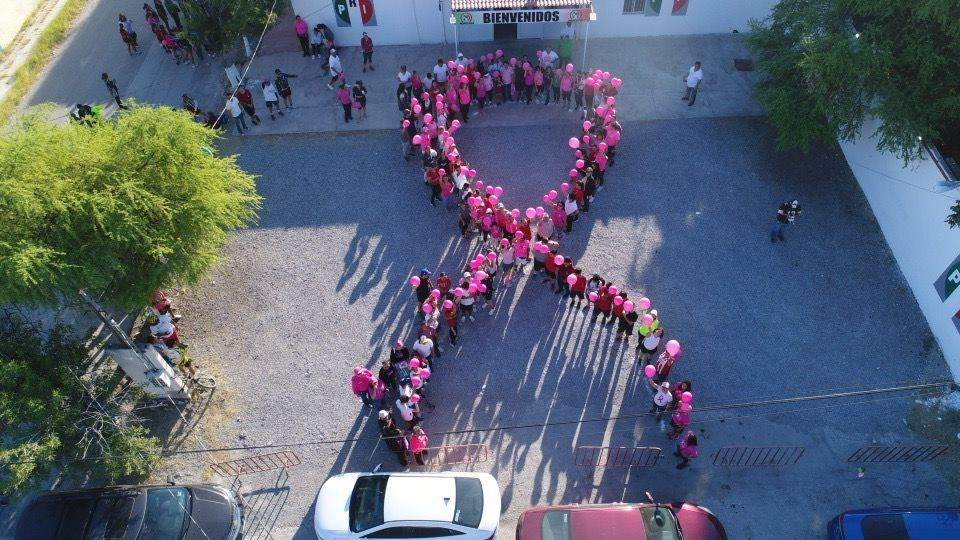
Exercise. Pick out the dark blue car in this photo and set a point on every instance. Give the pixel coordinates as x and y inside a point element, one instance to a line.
<point>896,524</point>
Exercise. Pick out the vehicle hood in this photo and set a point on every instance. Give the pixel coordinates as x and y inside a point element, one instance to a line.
<point>699,523</point>
<point>212,512</point>
<point>331,513</point>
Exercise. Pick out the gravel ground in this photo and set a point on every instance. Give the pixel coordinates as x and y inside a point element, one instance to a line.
<point>320,286</point>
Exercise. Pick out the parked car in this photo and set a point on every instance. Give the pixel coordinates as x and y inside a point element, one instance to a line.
<point>895,524</point>
<point>663,521</point>
<point>408,505</point>
<point>205,512</point>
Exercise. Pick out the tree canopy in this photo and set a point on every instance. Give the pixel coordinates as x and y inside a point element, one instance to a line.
<point>119,207</point>
<point>830,64</point>
<point>219,23</point>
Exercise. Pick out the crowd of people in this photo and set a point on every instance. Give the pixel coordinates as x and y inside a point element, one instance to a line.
<point>163,19</point>
<point>512,244</point>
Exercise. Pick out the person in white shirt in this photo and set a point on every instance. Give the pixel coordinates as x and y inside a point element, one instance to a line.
<point>461,61</point>
<point>440,72</point>
<point>550,58</point>
<point>336,68</point>
<point>694,76</point>
<point>424,347</point>
<point>567,31</point>
<point>270,96</point>
<point>572,210</point>
<point>233,105</point>
<point>408,411</point>
<point>404,77</point>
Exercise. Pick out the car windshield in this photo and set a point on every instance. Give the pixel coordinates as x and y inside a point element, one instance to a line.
<point>110,517</point>
<point>659,523</point>
<point>366,502</point>
<point>469,507</point>
<point>166,515</point>
<point>556,526</point>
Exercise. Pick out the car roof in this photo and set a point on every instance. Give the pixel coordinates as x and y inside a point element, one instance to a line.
<point>917,522</point>
<point>420,498</point>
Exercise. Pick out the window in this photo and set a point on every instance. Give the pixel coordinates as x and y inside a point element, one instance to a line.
<point>40,520</point>
<point>633,6</point>
<point>76,512</point>
<point>413,532</point>
<point>887,526</point>
<point>165,517</point>
<point>469,508</point>
<point>659,523</point>
<point>556,526</point>
<point>366,502</point>
<point>110,517</point>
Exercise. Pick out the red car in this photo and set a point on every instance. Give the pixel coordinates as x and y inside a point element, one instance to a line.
<point>636,521</point>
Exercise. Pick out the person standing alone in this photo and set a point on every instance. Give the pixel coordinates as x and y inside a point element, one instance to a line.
<point>366,44</point>
<point>301,29</point>
<point>787,212</point>
<point>113,89</point>
<point>694,77</point>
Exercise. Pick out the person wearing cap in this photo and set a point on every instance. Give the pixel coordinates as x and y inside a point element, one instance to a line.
<point>336,68</point>
<point>662,398</point>
<point>787,212</point>
<point>316,42</point>
<point>366,45</point>
<point>393,437</point>
<point>424,347</point>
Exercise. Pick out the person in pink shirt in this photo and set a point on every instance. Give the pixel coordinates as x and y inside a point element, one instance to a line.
<point>559,218</point>
<point>361,382</point>
<point>538,83</point>
<point>481,92</point>
<point>343,96</point>
<point>463,94</point>
<point>418,444</point>
<point>680,420</point>
<point>687,450</point>
<point>566,86</point>
<point>303,36</point>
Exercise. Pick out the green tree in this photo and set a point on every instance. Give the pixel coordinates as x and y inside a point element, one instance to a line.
<point>220,23</point>
<point>830,64</point>
<point>51,418</point>
<point>119,207</point>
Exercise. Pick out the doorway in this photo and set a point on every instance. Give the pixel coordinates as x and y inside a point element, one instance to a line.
<point>505,31</point>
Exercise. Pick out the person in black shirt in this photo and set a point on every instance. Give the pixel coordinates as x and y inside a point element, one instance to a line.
<point>393,437</point>
<point>360,96</point>
<point>787,212</point>
<point>283,87</point>
<point>113,89</point>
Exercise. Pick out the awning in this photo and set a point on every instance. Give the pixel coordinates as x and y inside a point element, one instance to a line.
<point>480,5</point>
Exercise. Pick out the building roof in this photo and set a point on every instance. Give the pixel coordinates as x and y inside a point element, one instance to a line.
<point>470,5</point>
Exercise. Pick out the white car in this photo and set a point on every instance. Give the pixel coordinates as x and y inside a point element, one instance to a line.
<point>463,505</point>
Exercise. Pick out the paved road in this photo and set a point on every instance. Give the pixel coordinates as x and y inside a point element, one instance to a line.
<point>319,286</point>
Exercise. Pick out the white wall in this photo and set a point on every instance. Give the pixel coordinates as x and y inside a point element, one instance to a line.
<point>910,205</point>
<point>419,21</point>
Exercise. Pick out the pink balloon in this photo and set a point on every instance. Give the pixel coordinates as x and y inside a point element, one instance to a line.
<point>481,275</point>
<point>530,213</point>
<point>587,125</point>
<point>558,260</point>
<point>574,142</point>
<point>617,300</point>
<point>417,109</point>
<point>547,199</point>
<point>686,397</point>
<point>428,308</point>
<point>482,288</point>
<point>464,79</point>
<point>540,211</point>
<point>472,289</point>
<point>417,382</point>
<point>565,187</point>
<point>498,191</point>
<point>579,154</point>
<point>451,64</point>
<point>414,363</point>
<point>474,265</point>
<point>605,75</point>
<point>580,163</point>
<point>574,173</point>
<point>479,184</point>
<point>552,194</point>
<point>569,68</point>
<point>491,256</point>
<point>494,200</point>
<point>628,306</point>
<point>447,304</point>
<point>586,139</point>
<point>416,139</point>
<point>601,110</point>
<point>425,373</point>
<point>644,303</point>
<point>458,292</point>
<point>673,347</point>
<point>415,398</point>
<point>650,371</point>
<point>646,320</point>
<point>602,146</point>
<point>435,293</point>
<point>515,213</point>
<point>571,279</point>
<point>589,81</point>
<point>427,118</point>
<point>611,101</point>
<point>455,123</point>
<point>616,82</point>
<point>415,281</point>
<point>592,296</point>
<point>613,290</point>
<point>406,123</point>
<point>471,173</point>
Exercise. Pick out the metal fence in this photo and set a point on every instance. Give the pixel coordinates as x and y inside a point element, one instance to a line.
<point>757,456</point>
<point>897,454</point>
<point>617,456</point>
<point>256,464</point>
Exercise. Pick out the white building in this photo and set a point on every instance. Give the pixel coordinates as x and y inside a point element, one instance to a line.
<point>399,22</point>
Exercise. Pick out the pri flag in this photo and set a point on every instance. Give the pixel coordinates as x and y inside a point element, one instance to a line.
<point>342,12</point>
<point>367,13</point>
<point>680,7</point>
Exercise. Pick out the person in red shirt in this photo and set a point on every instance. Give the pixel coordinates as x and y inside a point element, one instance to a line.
<point>551,267</point>
<point>565,270</point>
<point>664,365</point>
<point>579,288</point>
<point>444,283</point>
<point>450,315</point>
<point>604,303</point>
<point>245,97</point>
<point>366,45</point>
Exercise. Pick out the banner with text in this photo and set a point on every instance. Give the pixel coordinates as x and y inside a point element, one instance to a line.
<point>521,16</point>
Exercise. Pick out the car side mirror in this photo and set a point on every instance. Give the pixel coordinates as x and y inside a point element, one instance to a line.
<point>377,468</point>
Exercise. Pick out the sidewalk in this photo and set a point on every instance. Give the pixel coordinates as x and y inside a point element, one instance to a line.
<point>652,68</point>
